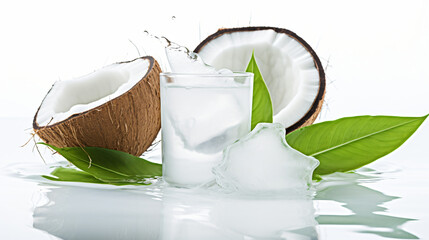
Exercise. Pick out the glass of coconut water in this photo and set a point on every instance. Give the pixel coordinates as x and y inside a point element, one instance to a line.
<point>201,114</point>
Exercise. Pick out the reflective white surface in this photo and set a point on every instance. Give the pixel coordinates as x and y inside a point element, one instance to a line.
<point>386,200</point>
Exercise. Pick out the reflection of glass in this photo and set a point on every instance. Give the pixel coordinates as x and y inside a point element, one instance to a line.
<point>201,114</point>
<point>237,217</point>
<point>169,213</point>
<point>157,212</point>
<point>366,205</point>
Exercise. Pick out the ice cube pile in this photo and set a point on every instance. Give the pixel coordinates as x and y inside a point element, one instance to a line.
<point>262,161</point>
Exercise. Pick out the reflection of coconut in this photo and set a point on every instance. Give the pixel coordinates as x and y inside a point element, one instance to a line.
<point>290,67</point>
<point>116,107</point>
<point>90,213</point>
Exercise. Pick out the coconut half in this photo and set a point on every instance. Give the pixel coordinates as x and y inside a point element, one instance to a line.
<point>116,107</point>
<point>291,69</point>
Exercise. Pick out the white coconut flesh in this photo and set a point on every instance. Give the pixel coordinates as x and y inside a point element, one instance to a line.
<point>286,66</point>
<point>74,96</point>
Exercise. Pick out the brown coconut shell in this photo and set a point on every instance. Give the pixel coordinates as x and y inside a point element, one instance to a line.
<point>128,123</point>
<point>316,107</point>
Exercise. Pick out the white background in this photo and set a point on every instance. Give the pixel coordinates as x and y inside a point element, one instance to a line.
<point>375,51</point>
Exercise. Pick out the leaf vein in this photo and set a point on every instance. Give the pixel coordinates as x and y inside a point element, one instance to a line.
<point>106,169</point>
<point>359,138</point>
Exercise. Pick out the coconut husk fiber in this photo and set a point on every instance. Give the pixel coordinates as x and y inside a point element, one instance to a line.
<point>128,123</point>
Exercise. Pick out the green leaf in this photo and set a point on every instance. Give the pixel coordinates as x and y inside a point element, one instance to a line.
<point>110,165</point>
<point>262,108</point>
<point>74,175</point>
<point>349,143</point>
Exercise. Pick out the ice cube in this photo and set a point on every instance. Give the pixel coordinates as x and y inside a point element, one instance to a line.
<point>263,161</point>
<point>214,121</point>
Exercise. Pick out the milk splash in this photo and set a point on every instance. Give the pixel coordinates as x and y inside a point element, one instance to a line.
<point>179,59</point>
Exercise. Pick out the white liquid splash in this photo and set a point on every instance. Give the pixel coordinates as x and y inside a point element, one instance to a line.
<point>177,58</point>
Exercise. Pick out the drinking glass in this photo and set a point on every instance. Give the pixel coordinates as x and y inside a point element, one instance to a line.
<point>201,114</point>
